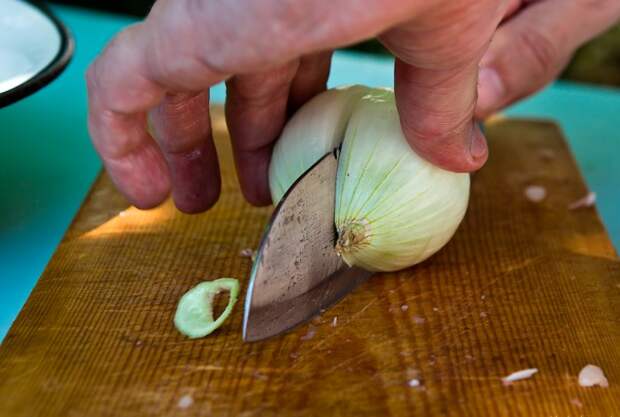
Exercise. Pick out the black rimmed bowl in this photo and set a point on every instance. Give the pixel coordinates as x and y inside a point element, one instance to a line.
<point>35,47</point>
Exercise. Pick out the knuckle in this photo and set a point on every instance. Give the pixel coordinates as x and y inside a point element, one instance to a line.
<point>117,80</point>
<point>180,123</point>
<point>450,37</point>
<point>168,51</point>
<point>180,48</point>
<point>269,31</point>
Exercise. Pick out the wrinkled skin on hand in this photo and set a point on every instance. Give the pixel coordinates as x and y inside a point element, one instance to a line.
<point>455,60</point>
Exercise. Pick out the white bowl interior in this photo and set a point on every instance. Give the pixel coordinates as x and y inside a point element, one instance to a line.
<point>29,41</point>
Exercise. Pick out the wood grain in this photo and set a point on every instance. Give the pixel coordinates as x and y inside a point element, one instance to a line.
<point>521,285</point>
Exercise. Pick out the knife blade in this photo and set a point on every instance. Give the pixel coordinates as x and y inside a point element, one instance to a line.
<point>296,272</point>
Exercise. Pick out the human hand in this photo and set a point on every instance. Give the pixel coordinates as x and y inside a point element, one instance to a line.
<point>534,43</point>
<point>274,56</point>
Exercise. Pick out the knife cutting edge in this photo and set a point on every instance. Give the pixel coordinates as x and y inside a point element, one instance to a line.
<point>297,272</point>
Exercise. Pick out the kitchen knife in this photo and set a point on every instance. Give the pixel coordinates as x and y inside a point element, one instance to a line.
<point>297,272</point>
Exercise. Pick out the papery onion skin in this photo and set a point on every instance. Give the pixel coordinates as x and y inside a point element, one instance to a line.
<point>393,208</point>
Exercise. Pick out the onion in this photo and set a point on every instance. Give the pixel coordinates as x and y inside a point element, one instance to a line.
<point>393,208</point>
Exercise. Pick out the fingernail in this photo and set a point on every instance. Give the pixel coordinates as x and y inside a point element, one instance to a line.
<point>490,89</point>
<point>478,144</point>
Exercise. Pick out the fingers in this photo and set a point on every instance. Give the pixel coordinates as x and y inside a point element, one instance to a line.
<point>125,82</point>
<point>530,49</point>
<point>183,130</point>
<point>117,123</point>
<point>435,80</point>
<point>264,33</point>
<point>256,111</point>
<point>436,112</point>
<point>178,50</point>
<point>130,156</point>
<point>310,80</point>
<point>256,107</point>
<point>118,80</point>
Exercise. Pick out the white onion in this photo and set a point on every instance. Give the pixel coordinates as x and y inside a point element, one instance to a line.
<point>393,208</point>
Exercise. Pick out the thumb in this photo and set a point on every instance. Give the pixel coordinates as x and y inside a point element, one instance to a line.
<point>436,110</point>
<point>530,49</point>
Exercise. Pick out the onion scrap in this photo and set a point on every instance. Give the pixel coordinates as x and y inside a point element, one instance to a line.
<point>519,375</point>
<point>414,383</point>
<point>185,401</point>
<point>194,315</point>
<point>586,201</point>
<point>535,193</point>
<point>592,375</point>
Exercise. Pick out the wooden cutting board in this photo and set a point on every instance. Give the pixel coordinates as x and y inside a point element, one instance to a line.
<point>521,285</point>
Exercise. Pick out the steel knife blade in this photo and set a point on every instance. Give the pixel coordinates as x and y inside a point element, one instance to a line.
<point>296,272</point>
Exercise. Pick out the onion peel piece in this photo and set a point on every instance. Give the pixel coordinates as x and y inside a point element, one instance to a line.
<point>194,315</point>
<point>535,193</point>
<point>586,201</point>
<point>519,375</point>
<point>592,375</point>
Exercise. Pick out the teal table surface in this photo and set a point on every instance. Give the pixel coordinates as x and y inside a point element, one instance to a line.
<point>47,163</point>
